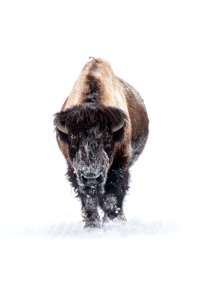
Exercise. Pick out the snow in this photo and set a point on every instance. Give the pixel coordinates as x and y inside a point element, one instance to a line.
<point>45,252</point>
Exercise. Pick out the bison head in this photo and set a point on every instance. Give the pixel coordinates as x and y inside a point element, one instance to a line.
<point>90,132</point>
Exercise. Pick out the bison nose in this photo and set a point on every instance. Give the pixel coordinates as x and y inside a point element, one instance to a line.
<point>92,181</point>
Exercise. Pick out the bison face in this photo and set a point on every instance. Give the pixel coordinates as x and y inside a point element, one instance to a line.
<point>90,134</point>
<point>91,161</point>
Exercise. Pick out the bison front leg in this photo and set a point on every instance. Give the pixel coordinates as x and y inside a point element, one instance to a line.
<point>112,208</point>
<point>90,214</point>
<point>115,191</point>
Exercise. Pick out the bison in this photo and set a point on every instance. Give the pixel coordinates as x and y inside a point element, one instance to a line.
<point>101,130</point>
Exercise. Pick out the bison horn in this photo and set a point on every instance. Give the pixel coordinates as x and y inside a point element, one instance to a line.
<point>118,126</point>
<point>60,127</point>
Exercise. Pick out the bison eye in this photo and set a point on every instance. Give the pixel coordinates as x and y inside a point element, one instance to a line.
<point>108,148</point>
<point>73,148</point>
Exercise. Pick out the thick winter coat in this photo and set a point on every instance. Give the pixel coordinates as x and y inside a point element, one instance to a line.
<point>101,130</point>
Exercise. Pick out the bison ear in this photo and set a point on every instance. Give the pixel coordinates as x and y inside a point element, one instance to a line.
<point>59,122</point>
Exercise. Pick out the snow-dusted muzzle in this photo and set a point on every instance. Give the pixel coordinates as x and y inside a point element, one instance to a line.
<point>91,165</point>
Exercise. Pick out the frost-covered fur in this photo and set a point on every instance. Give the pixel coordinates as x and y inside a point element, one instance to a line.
<point>101,130</point>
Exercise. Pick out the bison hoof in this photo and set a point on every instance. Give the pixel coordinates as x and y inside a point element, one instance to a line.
<point>112,216</point>
<point>92,224</point>
<point>91,221</point>
<point>121,218</point>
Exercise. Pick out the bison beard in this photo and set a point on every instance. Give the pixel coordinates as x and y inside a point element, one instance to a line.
<point>109,196</point>
<point>100,142</point>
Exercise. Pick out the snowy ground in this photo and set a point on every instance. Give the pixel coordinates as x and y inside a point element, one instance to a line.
<point>45,253</point>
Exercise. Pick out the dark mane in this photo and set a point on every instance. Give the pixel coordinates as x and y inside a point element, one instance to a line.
<point>93,91</point>
<point>87,115</point>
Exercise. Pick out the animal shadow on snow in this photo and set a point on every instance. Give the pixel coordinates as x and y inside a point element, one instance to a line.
<point>112,229</point>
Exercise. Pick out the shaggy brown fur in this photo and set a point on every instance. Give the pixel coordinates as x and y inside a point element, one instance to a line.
<point>101,130</point>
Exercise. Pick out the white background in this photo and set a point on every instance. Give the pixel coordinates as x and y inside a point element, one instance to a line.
<point>45,253</point>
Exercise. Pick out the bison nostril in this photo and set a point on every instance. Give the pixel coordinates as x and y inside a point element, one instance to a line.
<point>98,179</point>
<point>84,179</point>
